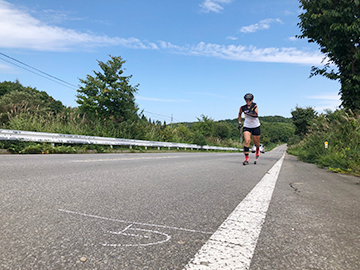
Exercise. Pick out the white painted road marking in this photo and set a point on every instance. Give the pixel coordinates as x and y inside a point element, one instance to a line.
<point>233,244</point>
<point>163,235</point>
<point>167,238</point>
<point>132,222</point>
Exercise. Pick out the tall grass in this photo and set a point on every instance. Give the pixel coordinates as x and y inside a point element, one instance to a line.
<point>70,121</point>
<point>341,129</point>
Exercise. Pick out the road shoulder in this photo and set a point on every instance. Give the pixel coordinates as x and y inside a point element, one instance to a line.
<point>313,221</point>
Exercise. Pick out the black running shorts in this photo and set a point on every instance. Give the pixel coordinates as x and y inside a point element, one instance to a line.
<point>253,131</point>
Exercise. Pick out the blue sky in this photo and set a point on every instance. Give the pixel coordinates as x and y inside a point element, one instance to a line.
<point>189,57</point>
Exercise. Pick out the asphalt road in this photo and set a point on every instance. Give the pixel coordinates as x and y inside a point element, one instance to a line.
<point>155,211</point>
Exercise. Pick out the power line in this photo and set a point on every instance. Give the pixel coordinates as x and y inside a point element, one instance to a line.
<point>161,115</point>
<point>42,73</point>
<point>58,80</point>
<point>158,114</point>
<point>34,72</point>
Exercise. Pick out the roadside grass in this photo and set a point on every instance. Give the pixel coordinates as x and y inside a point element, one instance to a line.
<point>341,130</point>
<point>70,121</point>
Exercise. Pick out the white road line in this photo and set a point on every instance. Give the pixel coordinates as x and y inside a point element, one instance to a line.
<point>233,244</point>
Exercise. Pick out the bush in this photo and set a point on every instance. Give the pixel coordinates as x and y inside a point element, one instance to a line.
<point>45,148</point>
<point>199,138</point>
<point>341,129</point>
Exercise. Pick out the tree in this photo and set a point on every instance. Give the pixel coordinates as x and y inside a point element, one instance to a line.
<point>108,95</point>
<point>221,130</point>
<point>15,99</point>
<point>275,132</point>
<point>205,125</point>
<point>183,132</point>
<point>199,138</point>
<point>334,25</point>
<point>302,119</point>
<point>6,87</point>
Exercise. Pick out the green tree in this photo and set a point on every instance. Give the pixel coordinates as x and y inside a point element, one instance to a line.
<point>205,125</point>
<point>183,132</point>
<point>108,95</point>
<point>199,138</point>
<point>334,25</point>
<point>6,87</point>
<point>222,130</point>
<point>276,132</point>
<point>302,119</point>
<point>16,99</point>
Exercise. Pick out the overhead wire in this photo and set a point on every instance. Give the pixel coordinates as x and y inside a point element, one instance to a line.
<point>42,73</point>
<point>161,115</point>
<point>34,72</point>
<point>56,79</point>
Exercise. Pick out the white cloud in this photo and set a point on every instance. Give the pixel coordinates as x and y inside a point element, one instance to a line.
<point>20,30</point>
<point>326,101</point>
<point>5,69</point>
<point>232,38</point>
<point>249,53</point>
<point>161,99</point>
<point>292,39</point>
<point>327,96</point>
<point>264,24</point>
<point>57,17</point>
<point>172,47</point>
<point>214,5</point>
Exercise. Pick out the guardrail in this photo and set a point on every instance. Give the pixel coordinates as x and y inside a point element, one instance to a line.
<point>31,136</point>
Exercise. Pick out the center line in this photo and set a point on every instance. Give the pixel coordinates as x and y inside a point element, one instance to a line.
<point>232,246</point>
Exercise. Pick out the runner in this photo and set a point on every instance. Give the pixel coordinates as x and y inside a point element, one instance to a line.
<point>251,126</point>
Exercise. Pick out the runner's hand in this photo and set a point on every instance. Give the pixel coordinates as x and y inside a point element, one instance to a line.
<point>239,126</point>
<point>252,114</point>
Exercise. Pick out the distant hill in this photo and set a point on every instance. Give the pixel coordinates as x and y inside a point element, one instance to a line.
<point>269,119</point>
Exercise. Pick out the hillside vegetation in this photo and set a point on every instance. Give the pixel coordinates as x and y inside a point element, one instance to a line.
<point>341,131</point>
<point>25,108</point>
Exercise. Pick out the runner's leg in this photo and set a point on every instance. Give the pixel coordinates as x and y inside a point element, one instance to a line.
<point>247,140</point>
<point>256,140</point>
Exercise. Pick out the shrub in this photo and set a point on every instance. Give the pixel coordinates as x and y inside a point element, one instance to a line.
<point>341,129</point>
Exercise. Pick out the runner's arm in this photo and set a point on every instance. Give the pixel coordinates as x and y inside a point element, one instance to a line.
<point>239,118</point>
<point>253,113</point>
<point>240,113</point>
